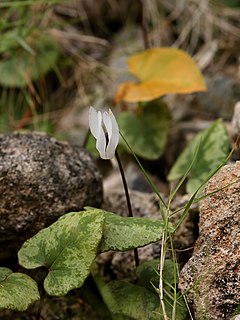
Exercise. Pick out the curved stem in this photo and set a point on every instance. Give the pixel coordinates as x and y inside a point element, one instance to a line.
<point>130,213</point>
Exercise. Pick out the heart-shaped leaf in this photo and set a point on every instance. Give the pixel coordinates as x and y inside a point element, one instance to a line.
<point>160,71</point>
<point>147,132</point>
<point>126,300</point>
<point>213,150</point>
<point>67,248</point>
<point>124,233</point>
<point>17,290</point>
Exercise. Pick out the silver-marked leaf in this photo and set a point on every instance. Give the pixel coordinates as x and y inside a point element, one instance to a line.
<point>213,145</point>
<point>124,233</point>
<point>126,300</point>
<point>67,248</point>
<point>147,132</point>
<point>17,290</point>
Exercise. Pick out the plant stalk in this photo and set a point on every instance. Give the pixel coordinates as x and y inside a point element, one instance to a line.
<point>130,214</point>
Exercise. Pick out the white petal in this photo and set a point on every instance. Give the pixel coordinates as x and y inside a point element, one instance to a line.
<point>98,122</point>
<point>113,135</point>
<point>94,122</point>
<point>108,123</point>
<point>95,125</point>
<point>101,143</point>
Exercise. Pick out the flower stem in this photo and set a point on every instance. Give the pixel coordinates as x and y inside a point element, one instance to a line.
<point>130,213</point>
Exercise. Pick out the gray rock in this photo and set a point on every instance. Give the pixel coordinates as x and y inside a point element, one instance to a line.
<point>218,101</point>
<point>212,275</point>
<point>41,179</point>
<point>223,93</point>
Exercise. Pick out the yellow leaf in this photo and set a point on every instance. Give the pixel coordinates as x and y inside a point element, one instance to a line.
<point>160,71</point>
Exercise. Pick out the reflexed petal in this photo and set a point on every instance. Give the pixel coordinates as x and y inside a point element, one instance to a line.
<point>100,123</point>
<point>106,141</point>
<point>108,124</point>
<point>113,140</point>
<point>94,122</point>
<point>101,143</point>
<point>115,129</point>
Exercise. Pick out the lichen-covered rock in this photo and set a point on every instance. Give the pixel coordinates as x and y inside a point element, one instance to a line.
<point>213,273</point>
<point>41,179</point>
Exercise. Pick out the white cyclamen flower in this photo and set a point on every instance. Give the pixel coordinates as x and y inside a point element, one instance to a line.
<point>104,128</point>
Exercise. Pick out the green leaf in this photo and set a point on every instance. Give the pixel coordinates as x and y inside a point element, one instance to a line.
<point>9,41</point>
<point>31,59</point>
<point>147,132</point>
<point>181,309</point>
<point>67,248</point>
<point>124,233</point>
<point>126,300</point>
<point>148,277</point>
<point>213,149</point>
<point>17,290</point>
<point>148,273</point>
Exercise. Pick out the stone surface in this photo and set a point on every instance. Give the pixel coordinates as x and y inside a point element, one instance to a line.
<point>41,179</point>
<point>218,101</point>
<point>223,93</point>
<point>235,123</point>
<point>213,273</point>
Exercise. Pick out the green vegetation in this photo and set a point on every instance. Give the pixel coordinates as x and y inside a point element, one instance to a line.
<point>49,54</point>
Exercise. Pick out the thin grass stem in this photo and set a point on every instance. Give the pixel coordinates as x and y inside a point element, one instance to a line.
<point>185,175</point>
<point>145,174</point>
<point>161,267</point>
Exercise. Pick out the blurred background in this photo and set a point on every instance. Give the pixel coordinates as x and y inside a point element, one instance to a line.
<point>58,57</point>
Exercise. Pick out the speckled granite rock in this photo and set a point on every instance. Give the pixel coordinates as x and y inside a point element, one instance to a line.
<point>121,264</point>
<point>41,179</point>
<point>213,272</point>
